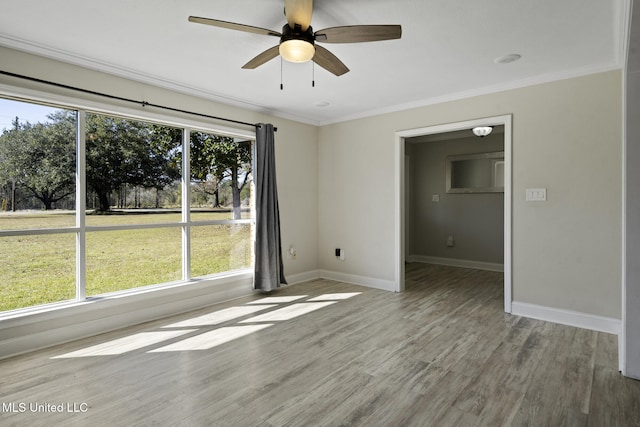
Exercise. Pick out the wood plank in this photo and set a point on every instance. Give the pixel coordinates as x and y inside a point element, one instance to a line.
<point>615,400</point>
<point>441,353</point>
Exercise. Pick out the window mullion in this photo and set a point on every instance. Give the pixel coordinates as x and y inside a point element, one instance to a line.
<point>186,204</point>
<point>81,183</point>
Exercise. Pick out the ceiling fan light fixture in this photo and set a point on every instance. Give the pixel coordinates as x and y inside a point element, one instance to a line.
<point>298,40</point>
<point>482,131</point>
<point>297,50</point>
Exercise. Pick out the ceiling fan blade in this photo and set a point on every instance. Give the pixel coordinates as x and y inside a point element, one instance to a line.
<point>359,33</point>
<point>234,26</point>
<point>329,61</point>
<point>265,56</point>
<point>298,12</point>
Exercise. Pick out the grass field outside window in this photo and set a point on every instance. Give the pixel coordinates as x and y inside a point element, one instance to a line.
<point>40,269</point>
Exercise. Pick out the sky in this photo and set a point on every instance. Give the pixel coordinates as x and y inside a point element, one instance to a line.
<point>32,113</point>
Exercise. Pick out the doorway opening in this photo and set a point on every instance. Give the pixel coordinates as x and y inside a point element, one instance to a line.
<point>500,165</point>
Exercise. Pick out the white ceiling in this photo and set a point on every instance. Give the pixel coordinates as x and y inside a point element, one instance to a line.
<point>447,49</point>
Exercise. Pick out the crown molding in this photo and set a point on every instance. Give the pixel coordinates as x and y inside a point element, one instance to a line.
<point>621,29</point>
<point>124,72</point>
<point>487,90</point>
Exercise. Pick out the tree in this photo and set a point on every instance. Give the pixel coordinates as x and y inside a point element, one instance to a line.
<point>9,169</point>
<point>41,158</point>
<point>203,173</point>
<point>163,167</point>
<point>121,151</point>
<point>218,158</point>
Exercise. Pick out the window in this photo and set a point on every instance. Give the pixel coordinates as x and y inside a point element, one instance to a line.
<point>221,203</point>
<point>139,220</point>
<point>37,195</point>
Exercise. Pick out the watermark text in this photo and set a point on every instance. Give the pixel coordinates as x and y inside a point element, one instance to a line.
<point>44,407</point>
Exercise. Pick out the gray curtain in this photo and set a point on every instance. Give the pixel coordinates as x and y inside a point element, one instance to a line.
<point>268,273</point>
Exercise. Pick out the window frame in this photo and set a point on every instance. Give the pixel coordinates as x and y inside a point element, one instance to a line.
<point>182,121</point>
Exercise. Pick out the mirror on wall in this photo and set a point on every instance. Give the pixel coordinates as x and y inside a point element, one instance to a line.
<point>476,173</point>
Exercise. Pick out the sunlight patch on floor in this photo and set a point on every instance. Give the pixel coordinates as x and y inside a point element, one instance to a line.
<point>220,316</point>
<point>126,344</point>
<point>211,339</point>
<point>335,297</point>
<point>277,300</point>
<point>289,312</point>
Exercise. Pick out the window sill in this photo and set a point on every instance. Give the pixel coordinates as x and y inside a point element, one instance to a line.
<point>124,294</point>
<point>33,328</point>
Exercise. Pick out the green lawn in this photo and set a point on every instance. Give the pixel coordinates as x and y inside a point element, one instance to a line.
<point>41,269</point>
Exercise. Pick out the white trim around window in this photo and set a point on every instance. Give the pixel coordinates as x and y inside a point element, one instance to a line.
<point>230,284</point>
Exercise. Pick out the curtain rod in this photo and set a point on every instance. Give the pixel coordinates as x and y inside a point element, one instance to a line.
<point>120,98</point>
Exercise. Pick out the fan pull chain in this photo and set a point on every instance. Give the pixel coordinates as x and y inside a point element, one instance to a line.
<point>281,71</point>
<point>313,74</point>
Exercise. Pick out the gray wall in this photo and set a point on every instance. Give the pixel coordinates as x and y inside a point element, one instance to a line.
<point>565,252</point>
<point>632,283</point>
<point>474,220</point>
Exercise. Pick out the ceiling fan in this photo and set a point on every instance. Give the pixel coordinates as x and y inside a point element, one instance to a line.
<point>298,40</point>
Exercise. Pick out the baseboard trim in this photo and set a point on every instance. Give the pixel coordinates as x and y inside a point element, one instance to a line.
<point>307,276</point>
<point>567,317</point>
<point>452,262</point>
<point>371,282</point>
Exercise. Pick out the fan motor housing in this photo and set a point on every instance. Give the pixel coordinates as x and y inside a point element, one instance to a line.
<point>296,33</point>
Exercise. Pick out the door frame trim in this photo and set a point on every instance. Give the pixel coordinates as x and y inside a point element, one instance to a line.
<point>399,193</point>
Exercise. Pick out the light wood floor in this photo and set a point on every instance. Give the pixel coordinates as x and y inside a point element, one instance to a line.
<point>440,354</point>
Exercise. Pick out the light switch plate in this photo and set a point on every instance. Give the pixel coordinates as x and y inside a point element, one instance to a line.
<point>536,194</point>
<point>435,198</point>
